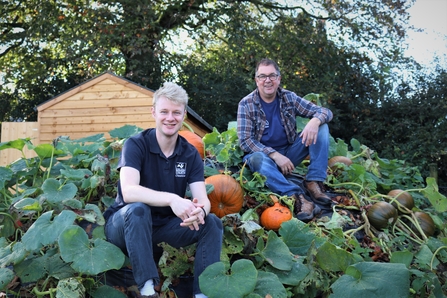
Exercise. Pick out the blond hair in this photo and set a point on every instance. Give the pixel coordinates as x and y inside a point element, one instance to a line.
<point>173,92</point>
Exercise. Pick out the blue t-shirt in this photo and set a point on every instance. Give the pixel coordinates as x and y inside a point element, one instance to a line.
<point>157,172</point>
<point>274,134</point>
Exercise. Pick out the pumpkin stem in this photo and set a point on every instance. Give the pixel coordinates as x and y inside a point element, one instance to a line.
<point>187,126</point>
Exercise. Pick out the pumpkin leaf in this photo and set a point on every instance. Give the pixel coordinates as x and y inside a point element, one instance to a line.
<point>55,192</point>
<point>438,200</point>
<point>44,231</point>
<point>333,259</point>
<point>88,257</point>
<point>276,253</point>
<point>369,277</point>
<point>297,236</point>
<point>6,276</point>
<point>239,282</point>
<point>269,285</point>
<point>292,277</point>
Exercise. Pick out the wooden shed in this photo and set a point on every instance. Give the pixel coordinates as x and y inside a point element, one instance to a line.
<point>95,106</point>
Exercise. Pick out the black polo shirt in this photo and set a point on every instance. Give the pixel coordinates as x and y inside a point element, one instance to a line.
<point>157,172</point>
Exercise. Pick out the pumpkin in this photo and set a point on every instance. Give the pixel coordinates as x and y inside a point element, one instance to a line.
<point>274,216</point>
<point>194,140</point>
<point>227,196</point>
<point>332,163</point>
<point>404,198</point>
<point>381,214</point>
<point>426,222</point>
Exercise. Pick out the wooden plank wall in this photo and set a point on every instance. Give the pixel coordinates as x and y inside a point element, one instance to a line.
<point>18,130</point>
<point>96,109</point>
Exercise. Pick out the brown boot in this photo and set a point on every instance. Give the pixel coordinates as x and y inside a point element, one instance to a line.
<point>316,192</point>
<point>304,210</point>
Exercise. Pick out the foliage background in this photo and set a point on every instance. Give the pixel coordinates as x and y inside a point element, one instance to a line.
<point>349,52</point>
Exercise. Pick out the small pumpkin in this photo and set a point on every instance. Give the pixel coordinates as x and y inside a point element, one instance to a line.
<point>403,197</point>
<point>274,216</point>
<point>381,214</point>
<point>332,162</point>
<point>426,222</point>
<point>194,140</point>
<point>227,196</point>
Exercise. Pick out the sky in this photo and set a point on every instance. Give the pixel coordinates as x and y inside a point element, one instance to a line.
<point>431,41</point>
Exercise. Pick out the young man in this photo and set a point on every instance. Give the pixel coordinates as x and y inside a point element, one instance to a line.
<point>266,125</point>
<point>155,167</point>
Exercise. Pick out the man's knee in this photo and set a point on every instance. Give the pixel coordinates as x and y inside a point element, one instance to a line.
<point>256,160</point>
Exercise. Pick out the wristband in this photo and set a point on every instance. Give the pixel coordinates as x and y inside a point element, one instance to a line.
<point>204,212</point>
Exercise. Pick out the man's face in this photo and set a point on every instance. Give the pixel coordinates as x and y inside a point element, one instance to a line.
<point>267,88</point>
<point>168,116</point>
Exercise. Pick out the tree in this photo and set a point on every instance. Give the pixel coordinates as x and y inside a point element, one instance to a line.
<point>46,41</point>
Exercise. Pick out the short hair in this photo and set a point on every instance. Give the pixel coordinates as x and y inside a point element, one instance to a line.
<point>267,62</point>
<point>173,92</point>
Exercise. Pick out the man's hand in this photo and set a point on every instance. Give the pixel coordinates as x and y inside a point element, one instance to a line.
<point>283,162</point>
<point>310,132</point>
<point>193,216</point>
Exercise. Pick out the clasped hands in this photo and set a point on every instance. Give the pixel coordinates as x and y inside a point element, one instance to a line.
<point>193,215</point>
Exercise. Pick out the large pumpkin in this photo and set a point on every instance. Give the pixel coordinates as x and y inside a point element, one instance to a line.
<point>227,196</point>
<point>194,140</point>
<point>274,216</point>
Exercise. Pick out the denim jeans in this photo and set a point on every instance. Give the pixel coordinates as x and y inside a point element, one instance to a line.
<point>133,230</point>
<point>296,152</point>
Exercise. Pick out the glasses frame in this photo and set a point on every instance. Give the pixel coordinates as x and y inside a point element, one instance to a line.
<point>272,77</point>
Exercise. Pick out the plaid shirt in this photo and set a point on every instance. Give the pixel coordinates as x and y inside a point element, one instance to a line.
<point>251,118</point>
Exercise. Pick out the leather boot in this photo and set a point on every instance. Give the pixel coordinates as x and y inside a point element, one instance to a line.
<point>303,209</point>
<point>316,192</point>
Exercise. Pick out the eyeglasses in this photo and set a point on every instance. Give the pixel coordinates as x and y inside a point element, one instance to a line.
<point>272,77</point>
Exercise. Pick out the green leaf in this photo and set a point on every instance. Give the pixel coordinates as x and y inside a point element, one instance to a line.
<point>292,277</point>
<point>333,259</point>
<point>88,257</point>
<point>276,253</point>
<point>125,131</point>
<point>373,280</point>
<point>404,257</point>
<point>28,204</point>
<point>16,144</point>
<point>5,175</point>
<point>70,288</point>
<point>268,285</point>
<point>55,192</point>
<point>438,200</point>
<point>44,231</point>
<point>215,282</point>
<point>14,253</point>
<point>107,291</point>
<point>297,236</point>
<point>47,150</point>
<point>6,276</point>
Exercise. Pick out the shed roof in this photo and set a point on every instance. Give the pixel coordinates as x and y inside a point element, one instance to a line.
<point>192,115</point>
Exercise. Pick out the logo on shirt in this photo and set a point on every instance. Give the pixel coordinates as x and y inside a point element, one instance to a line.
<point>180,169</point>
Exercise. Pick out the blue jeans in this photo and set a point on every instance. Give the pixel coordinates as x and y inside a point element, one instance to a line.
<point>133,230</point>
<point>296,152</point>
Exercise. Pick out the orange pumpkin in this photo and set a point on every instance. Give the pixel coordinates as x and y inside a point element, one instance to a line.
<point>194,140</point>
<point>227,196</point>
<point>274,216</point>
